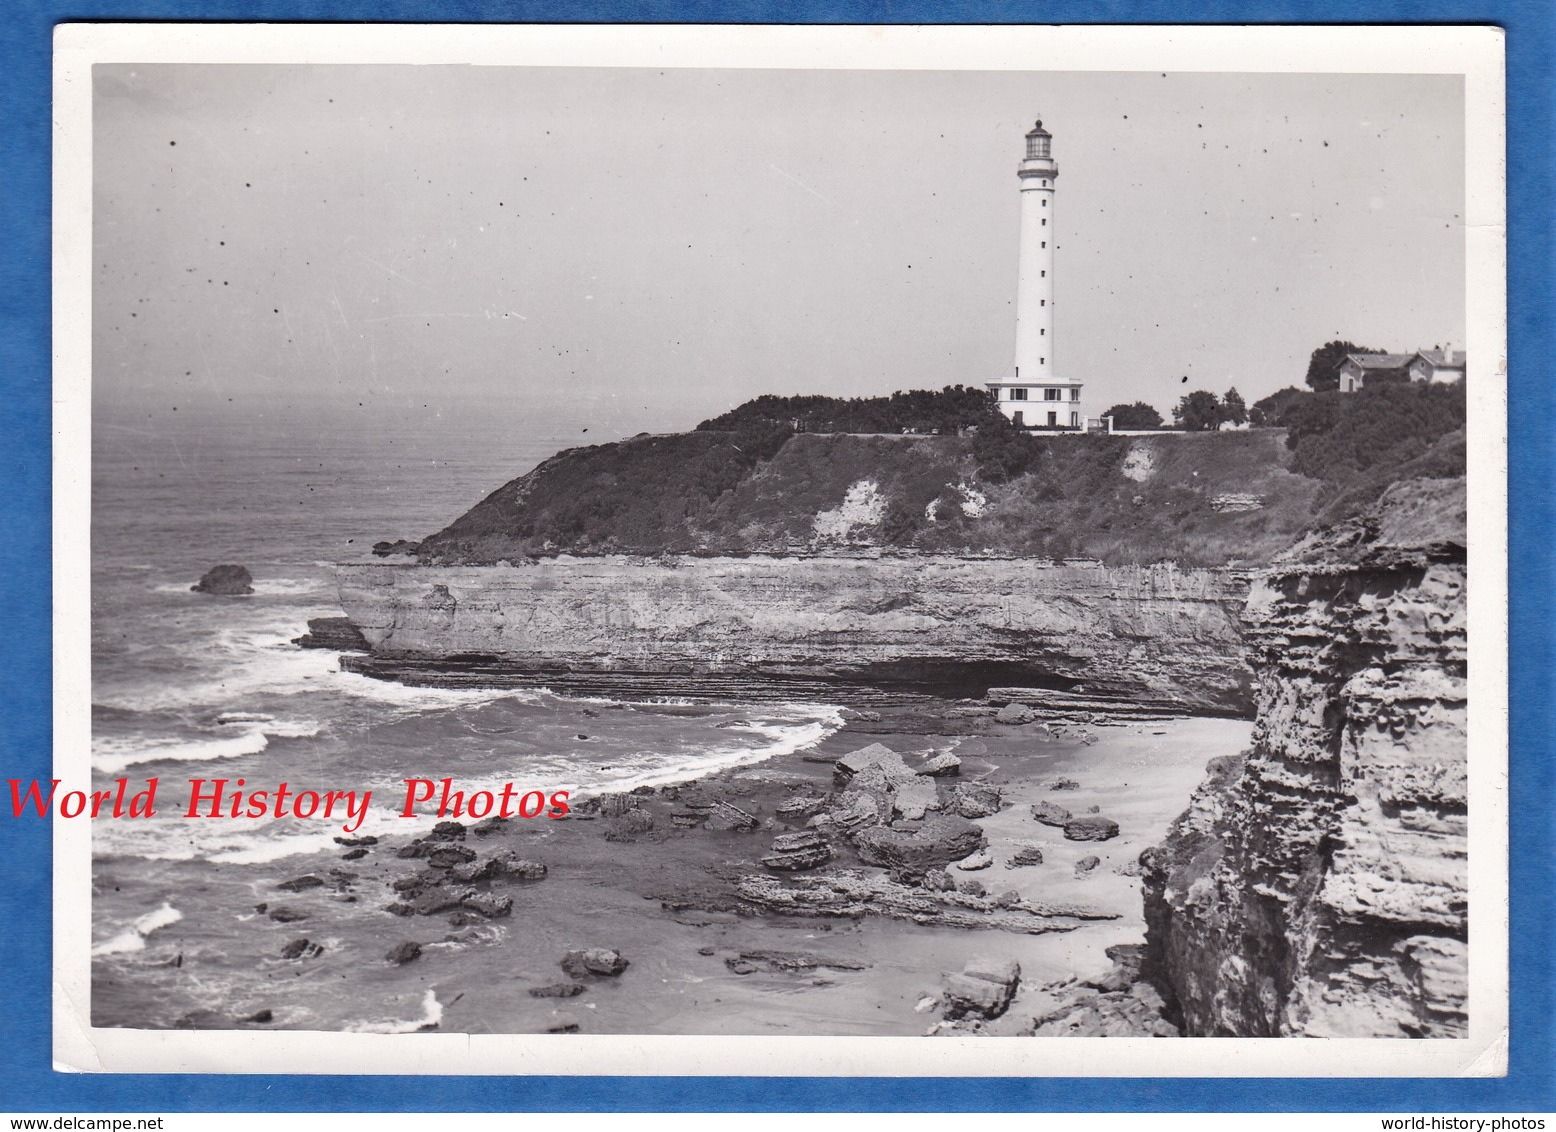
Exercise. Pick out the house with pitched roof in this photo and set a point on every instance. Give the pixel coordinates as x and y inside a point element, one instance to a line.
<point>1435,365</point>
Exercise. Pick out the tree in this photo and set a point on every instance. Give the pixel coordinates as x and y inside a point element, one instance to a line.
<point>1198,411</point>
<point>1138,415</point>
<point>1233,410</point>
<point>1270,412</point>
<point>1323,368</point>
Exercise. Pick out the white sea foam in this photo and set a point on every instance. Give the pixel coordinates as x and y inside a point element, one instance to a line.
<point>432,1014</point>
<point>111,755</point>
<point>267,587</point>
<point>134,937</point>
<point>292,587</point>
<point>252,661</point>
<point>782,738</point>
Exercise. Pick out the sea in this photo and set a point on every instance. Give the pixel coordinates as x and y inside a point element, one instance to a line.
<point>189,685</point>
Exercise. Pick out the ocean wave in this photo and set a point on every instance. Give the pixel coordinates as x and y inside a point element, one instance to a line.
<point>251,661</point>
<point>782,737</point>
<point>431,1015</point>
<point>113,754</point>
<point>134,937</point>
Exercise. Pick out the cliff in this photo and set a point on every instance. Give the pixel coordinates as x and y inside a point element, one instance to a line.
<point>1317,885</point>
<point>945,624</point>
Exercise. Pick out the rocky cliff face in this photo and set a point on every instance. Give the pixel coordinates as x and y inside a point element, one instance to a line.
<point>1317,885</point>
<point>1154,633</point>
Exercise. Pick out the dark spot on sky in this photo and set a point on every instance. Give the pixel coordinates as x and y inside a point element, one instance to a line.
<point>172,143</point>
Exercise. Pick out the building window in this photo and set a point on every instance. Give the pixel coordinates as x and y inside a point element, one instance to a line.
<point>1042,361</point>
<point>1045,222</point>
<point>1044,273</point>
<point>1053,420</point>
<point>1075,393</point>
<point>1042,330</point>
<point>1042,302</point>
<point>1050,395</point>
<point>1075,420</point>
<point>1018,394</point>
<point>1016,417</point>
<point>1045,243</point>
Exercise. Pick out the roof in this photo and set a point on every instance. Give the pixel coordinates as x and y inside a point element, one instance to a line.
<point>1441,359</point>
<point>1380,361</point>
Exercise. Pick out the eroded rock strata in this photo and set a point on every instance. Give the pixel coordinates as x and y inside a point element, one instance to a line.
<point>959,625</point>
<point>1317,885</point>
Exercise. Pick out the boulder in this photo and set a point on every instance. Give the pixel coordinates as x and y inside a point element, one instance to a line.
<point>984,987</point>
<point>301,949</point>
<point>726,818</point>
<point>938,880</point>
<point>977,801</point>
<point>557,990</point>
<point>1015,714</point>
<point>448,831</point>
<point>876,755</point>
<point>285,915</point>
<point>913,799</point>
<point>402,953</point>
<point>1085,865</point>
<point>855,809</point>
<point>1064,784</point>
<point>488,904</point>
<point>969,887</point>
<point>431,901</point>
<point>942,766</point>
<point>793,852</point>
<point>1049,814</point>
<point>614,805</point>
<point>941,840</point>
<point>508,864</point>
<point>1024,856</point>
<point>594,961</point>
<point>227,581</point>
<point>446,856</point>
<point>634,821</point>
<point>354,854</point>
<point>982,859</point>
<point>298,884</point>
<point>472,871</point>
<point>802,807</point>
<point>1090,828</point>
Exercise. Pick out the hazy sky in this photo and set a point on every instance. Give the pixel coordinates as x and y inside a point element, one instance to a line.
<point>642,249</point>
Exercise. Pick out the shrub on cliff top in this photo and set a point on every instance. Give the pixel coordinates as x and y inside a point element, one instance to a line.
<point>638,495</point>
<point>947,410</point>
<point>1335,436</point>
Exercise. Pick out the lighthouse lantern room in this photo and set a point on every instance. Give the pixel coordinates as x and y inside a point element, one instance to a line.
<point>1034,396</point>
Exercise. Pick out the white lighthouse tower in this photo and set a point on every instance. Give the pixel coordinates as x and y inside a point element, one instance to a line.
<point>1034,395</point>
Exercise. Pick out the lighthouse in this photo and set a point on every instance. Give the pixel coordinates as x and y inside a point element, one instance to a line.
<point>1034,396</point>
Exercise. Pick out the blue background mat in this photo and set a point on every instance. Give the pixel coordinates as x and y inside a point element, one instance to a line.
<point>27,1082</point>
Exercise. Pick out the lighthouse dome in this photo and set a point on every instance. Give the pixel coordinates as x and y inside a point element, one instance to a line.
<point>1038,140</point>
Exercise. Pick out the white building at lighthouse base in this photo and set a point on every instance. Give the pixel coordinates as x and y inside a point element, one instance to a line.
<point>1050,403</point>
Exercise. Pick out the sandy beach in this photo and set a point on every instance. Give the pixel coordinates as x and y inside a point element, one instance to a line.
<point>667,899</point>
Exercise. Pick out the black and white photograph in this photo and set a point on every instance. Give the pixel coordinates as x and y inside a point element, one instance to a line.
<point>781,536</point>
